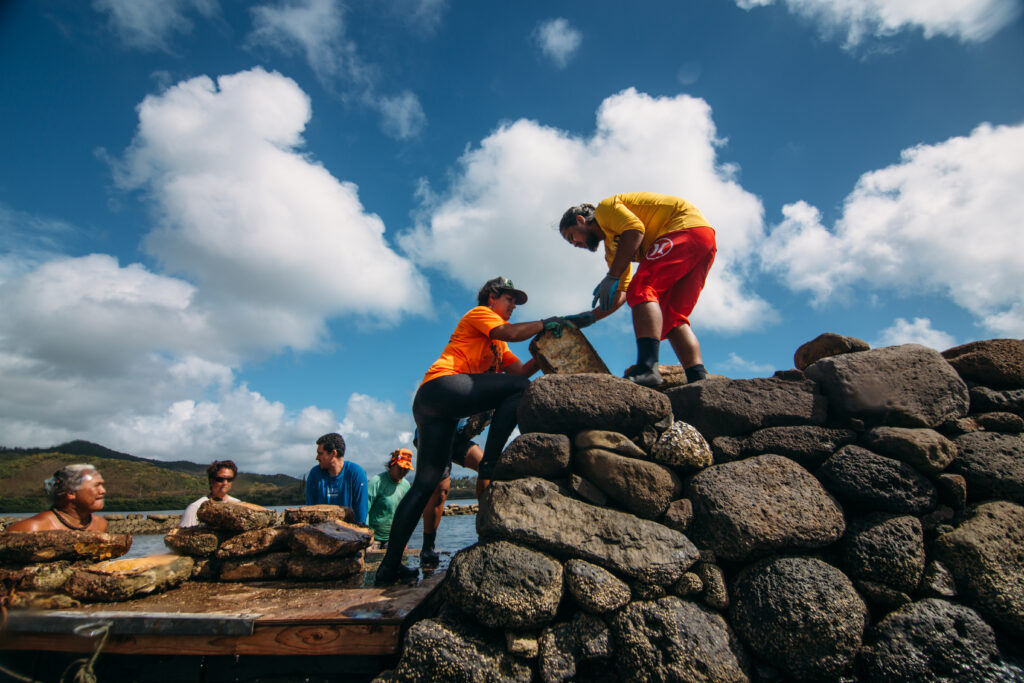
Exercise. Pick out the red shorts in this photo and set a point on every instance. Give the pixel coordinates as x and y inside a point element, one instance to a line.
<point>672,272</point>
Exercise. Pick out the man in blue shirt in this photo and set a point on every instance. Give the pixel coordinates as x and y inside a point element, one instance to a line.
<point>333,481</point>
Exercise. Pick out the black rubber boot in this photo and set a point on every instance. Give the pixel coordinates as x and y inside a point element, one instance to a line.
<point>645,377</point>
<point>429,558</point>
<point>387,576</point>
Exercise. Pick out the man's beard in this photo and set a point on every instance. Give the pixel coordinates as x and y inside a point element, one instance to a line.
<point>593,242</point>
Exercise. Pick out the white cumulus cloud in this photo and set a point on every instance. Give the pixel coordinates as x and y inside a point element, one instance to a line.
<point>500,213</point>
<point>945,219</point>
<point>558,40</point>
<point>965,20</point>
<point>920,331</point>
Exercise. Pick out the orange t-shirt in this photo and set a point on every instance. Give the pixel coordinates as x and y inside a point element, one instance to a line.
<point>471,349</point>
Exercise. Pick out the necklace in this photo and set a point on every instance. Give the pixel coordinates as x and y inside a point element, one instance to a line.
<point>60,518</point>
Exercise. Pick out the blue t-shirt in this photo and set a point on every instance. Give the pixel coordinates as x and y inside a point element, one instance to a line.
<point>348,488</point>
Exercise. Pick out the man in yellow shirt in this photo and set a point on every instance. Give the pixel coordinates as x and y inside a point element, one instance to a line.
<point>675,247</point>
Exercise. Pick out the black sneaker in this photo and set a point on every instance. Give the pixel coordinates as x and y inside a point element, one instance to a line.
<point>386,576</point>
<point>645,377</point>
<point>429,558</point>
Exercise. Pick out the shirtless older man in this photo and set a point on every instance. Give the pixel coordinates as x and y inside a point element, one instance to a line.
<point>76,493</point>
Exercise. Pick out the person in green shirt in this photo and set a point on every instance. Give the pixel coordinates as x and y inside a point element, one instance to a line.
<point>385,491</point>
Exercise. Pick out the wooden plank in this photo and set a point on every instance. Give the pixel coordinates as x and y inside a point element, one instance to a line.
<point>337,639</point>
<point>130,623</point>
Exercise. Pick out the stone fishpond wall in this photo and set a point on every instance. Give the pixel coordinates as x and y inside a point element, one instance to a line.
<point>858,518</point>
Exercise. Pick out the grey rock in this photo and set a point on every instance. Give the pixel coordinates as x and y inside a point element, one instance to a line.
<point>749,508</point>
<point>586,491</point>
<point>679,515</point>
<point>503,585</point>
<point>992,464</point>
<point>923,449</point>
<point>808,445</point>
<point>799,614</point>
<point>986,400</point>
<point>937,582</point>
<point>864,480</point>
<point>931,640</point>
<point>534,455</point>
<point>594,589</point>
<point>641,487</point>
<point>533,512</point>
<point>898,386</point>
<point>824,346</point>
<point>996,363</point>
<point>984,555</point>
<point>740,406</point>
<point>329,538</point>
<point>437,651</point>
<point>562,647</point>
<point>568,404</point>
<point>681,445</point>
<point>609,441</point>
<point>1008,423</point>
<point>885,549</point>
<point>676,640</point>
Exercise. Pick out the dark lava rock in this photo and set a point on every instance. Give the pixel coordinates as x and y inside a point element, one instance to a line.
<point>503,585</point>
<point>923,449</point>
<point>985,554</point>
<point>740,406</point>
<point>610,441</point>
<point>259,568</point>
<point>799,614</point>
<point>806,444</point>
<point>864,480</point>
<point>679,515</point>
<point>567,404</point>
<point>534,455</point>
<point>992,464</point>
<point>594,589</point>
<point>996,363</point>
<point>255,542</point>
<point>1008,423</point>
<point>222,514</point>
<point>641,487</point>
<point>985,400</point>
<point>885,549</point>
<point>676,640</point>
<point>329,538</point>
<point>562,647</point>
<point>27,547</point>
<point>586,491</point>
<point>309,568</point>
<point>824,346</point>
<point>315,514</point>
<point>533,512</point>
<point>897,386</point>
<point>931,640</point>
<point>197,541</point>
<point>436,650</point>
<point>752,507</point>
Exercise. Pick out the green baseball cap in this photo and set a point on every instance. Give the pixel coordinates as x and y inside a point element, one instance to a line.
<point>500,285</point>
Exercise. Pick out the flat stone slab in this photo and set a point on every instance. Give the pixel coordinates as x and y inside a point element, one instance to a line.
<point>45,577</point>
<point>309,568</point>
<point>533,512</point>
<point>314,514</point>
<point>235,516</point>
<point>255,542</point>
<point>197,541</point>
<point>330,538</point>
<point>46,546</point>
<point>119,580</point>
<point>260,568</point>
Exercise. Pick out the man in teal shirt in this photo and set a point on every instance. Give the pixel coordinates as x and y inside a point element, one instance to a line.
<point>385,491</point>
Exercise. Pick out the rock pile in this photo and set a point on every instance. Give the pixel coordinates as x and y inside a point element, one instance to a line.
<point>861,518</point>
<point>242,542</point>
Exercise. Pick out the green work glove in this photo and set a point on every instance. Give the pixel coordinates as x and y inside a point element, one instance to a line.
<point>581,320</point>
<point>605,292</point>
<point>554,325</point>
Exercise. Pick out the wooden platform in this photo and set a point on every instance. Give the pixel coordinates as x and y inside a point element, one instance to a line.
<point>245,618</point>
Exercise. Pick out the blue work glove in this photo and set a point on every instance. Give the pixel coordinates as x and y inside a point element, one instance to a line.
<point>581,320</point>
<point>554,325</point>
<point>605,292</point>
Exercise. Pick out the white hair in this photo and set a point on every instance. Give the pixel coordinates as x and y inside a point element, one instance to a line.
<point>67,479</point>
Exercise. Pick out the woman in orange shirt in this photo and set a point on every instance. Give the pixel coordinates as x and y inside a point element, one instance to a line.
<point>476,372</point>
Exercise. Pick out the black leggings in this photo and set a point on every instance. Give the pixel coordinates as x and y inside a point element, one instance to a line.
<point>437,408</point>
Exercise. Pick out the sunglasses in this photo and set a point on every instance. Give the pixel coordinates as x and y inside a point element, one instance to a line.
<point>221,480</point>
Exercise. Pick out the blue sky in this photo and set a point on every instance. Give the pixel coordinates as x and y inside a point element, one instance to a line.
<point>227,228</point>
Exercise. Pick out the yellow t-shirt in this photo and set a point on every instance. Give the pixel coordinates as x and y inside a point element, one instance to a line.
<point>651,213</point>
<point>471,349</point>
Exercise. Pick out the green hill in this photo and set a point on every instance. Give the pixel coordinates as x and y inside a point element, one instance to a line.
<point>132,483</point>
